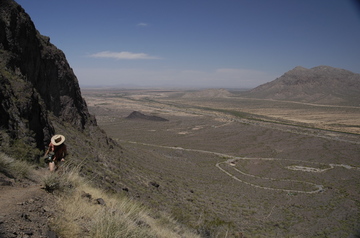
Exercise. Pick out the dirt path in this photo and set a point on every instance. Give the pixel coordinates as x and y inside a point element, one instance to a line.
<point>317,187</point>
<point>11,197</point>
<point>25,208</point>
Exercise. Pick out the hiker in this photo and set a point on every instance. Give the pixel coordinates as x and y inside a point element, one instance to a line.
<point>56,152</point>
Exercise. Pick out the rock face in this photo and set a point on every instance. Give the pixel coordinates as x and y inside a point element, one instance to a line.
<point>322,84</point>
<point>36,82</point>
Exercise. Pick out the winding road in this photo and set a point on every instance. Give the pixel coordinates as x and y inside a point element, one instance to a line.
<point>318,188</point>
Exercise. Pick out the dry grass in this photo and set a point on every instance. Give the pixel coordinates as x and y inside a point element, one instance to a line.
<point>14,168</point>
<point>82,216</point>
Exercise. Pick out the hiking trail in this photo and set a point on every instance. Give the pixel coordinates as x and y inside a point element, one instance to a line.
<point>25,207</point>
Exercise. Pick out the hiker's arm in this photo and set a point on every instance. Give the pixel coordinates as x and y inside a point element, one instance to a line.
<point>47,152</point>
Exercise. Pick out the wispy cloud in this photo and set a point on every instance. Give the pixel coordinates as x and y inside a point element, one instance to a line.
<point>142,24</point>
<point>123,55</point>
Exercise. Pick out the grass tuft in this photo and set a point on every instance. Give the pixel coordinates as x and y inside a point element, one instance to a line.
<point>65,180</point>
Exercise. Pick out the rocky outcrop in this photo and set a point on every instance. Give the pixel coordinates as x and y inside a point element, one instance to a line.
<point>322,84</point>
<point>139,115</point>
<point>36,82</point>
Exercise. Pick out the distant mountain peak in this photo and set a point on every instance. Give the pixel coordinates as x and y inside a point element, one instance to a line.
<point>300,68</point>
<point>322,84</point>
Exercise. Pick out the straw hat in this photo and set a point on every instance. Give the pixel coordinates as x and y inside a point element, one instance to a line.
<point>57,140</point>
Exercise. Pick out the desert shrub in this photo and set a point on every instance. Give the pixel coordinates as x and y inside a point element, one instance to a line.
<point>14,168</point>
<point>66,179</point>
<point>213,227</point>
<point>22,150</point>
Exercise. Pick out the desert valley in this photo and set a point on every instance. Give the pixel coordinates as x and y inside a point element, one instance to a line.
<point>235,163</point>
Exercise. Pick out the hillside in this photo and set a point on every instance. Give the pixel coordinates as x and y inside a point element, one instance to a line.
<point>322,85</point>
<point>38,203</point>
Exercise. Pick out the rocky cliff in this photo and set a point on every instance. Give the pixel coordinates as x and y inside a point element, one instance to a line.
<point>36,83</point>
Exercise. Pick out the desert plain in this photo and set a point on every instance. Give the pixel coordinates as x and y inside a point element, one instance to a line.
<point>234,166</point>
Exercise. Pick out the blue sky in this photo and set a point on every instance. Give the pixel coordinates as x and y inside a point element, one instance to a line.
<point>198,43</point>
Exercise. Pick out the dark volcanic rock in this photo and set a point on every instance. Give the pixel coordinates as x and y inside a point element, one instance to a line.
<point>322,84</point>
<point>100,201</point>
<point>155,184</point>
<point>36,82</point>
<point>139,115</point>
